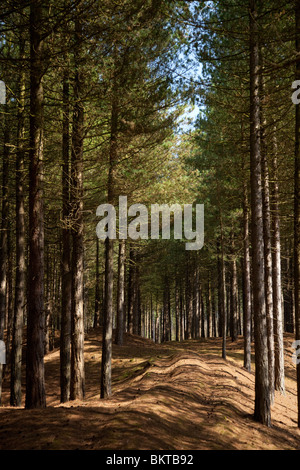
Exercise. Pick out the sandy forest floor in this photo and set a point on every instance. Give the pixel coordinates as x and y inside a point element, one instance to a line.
<point>175,396</point>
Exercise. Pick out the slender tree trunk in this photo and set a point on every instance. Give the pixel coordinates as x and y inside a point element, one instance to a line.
<point>177,311</point>
<point>277,288</point>
<point>181,326</point>
<point>130,291</point>
<point>121,293</point>
<point>297,208</point>
<point>135,300</point>
<point>188,298</point>
<point>223,291</point>
<point>108,321</point>
<point>202,319</point>
<point>66,275</point>
<point>268,261</point>
<point>214,317</point>
<point>4,237</point>
<point>105,387</point>
<point>197,303</point>
<point>9,298</point>
<point>234,296</point>
<point>97,288</point>
<point>166,311</point>
<point>19,304</point>
<point>77,390</point>
<point>35,374</point>
<point>219,268</point>
<point>208,307</point>
<point>262,393</point>
<point>48,298</point>
<point>246,281</point>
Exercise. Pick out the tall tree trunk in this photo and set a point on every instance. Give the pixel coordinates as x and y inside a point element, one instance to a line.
<point>35,374</point>
<point>223,290</point>
<point>77,390</point>
<point>135,299</point>
<point>276,273</point>
<point>105,387</point>
<point>246,281</point>
<point>268,260</point>
<point>181,327</point>
<point>108,321</point>
<point>188,298</point>
<point>4,236</point>
<point>219,289</point>
<point>166,311</point>
<point>234,295</point>
<point>19,304</point>
<point>130,290</point>
<point>197,303</point>
<point>9,298</point>
<point>121,293</point>
<point>208,307</point>
<point>177,311</point>
<point>297,208</point>
<point>262,394</point>
<point>49,300</point>
<point>97,288</point>
<point>66,275</point>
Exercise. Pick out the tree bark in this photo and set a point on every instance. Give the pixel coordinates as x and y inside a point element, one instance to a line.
<point>108,321</point>
<point>130,290</point>
<point>4,237</point>
<point>262,393</point>
<point>276,275</point>
<point>268,261</point>
<point>66,275</point>
<point>121,293</point>
<point>246,281</point>
<point>97,288</point>
<point>105,387</point>
<point>19,304</point>
<point>77,337</point>
<point>297,208</point>
<point>223,291</point>
<point>234,296</point>
<point>188,298</point>
<point>35,375</point>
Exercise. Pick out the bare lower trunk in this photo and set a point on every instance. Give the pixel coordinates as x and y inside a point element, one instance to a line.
<point>121,293</point>
<point>268,264</point>
<point>77,337</point>
<point>4,239</point>
<point>108,321</point>
<point>277,288</point>
<point>223,291</point>
<point>97,288</point>
<point>234,297</point>
<point>19,305</point>
<point>246,283</point>
<point>66,275</point>
<point>105,385</point>
<point>35,375</point>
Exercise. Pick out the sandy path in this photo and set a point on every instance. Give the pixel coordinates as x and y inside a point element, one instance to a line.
<point>177,396</point>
